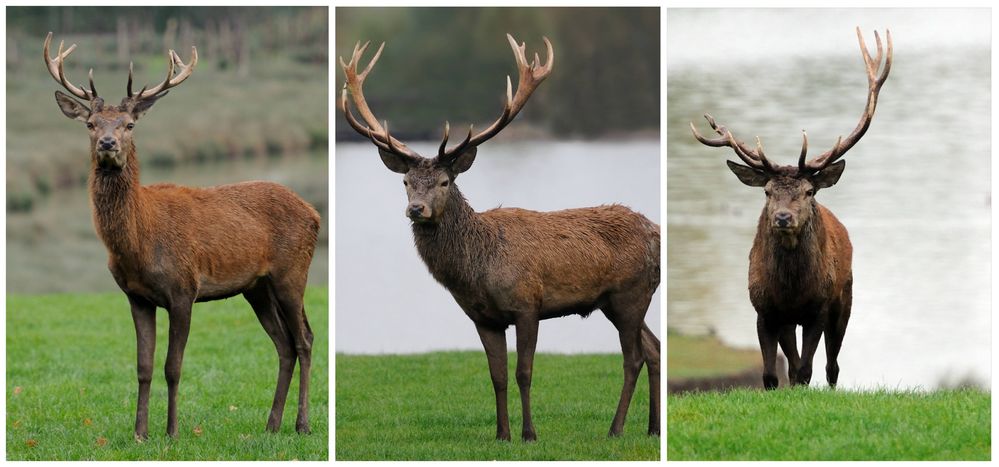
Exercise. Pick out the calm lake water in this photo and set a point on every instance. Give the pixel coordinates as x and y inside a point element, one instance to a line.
<point>915,196</point>
<point>55,248</point>
<point>387,302</point>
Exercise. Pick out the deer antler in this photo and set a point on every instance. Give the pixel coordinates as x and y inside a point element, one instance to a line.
<point>354,83</point>
<point>529,76</point>
<point>874,83</point>
<point>757,160</point>
<point>171,81</point>
<point>56,69</point>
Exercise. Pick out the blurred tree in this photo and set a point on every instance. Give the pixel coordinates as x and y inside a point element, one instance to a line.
<point>450,63</point>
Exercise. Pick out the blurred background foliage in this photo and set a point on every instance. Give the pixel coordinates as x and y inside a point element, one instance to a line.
<point>605,82</point>
<point>256,107</point>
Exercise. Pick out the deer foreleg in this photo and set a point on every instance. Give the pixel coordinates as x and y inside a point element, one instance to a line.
<point>180,327</point>
<point>768,347</point>
<point>494,341</point>
<point>144,317</point>
<point>527,340</point>
<point>810,336</point>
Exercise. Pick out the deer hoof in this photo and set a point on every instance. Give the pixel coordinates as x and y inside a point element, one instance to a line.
<point>529,436</point>
<point>303,428</point>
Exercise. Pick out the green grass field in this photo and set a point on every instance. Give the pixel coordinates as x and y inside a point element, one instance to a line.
<point>705,356</point>
<point>440,406</point>
<point>810,424</point>
<point>71,384</point>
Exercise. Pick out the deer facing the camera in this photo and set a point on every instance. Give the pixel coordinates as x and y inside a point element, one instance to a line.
<point>510,266</point>
<point>170,246</point>
<point>800,263</point>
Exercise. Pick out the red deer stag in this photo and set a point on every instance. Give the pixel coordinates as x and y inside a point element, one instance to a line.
<point>799,266</point>
<point>170,246</point>
<point>512,266</point>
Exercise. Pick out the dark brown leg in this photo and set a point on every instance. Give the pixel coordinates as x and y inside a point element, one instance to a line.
<point>631,350</point>
<point>494,341</point>
<point>839,316</point>
<point>293,313</point>
<point>144,317</point>
<point>650,350</point>
<point>527,340</point>
<point>810,336</point>
<point>180,328</point>
<point>265,306</point>
<point>768,347</point>
<point>789,344</point>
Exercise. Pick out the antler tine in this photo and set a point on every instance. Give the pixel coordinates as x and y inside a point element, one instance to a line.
<point>529,76</point>
<point>58,72</point>
<point>172,79</point>
<point>802,167</point>
<point>93,90</point>
<point>874,83</point>
<point>128,87</point>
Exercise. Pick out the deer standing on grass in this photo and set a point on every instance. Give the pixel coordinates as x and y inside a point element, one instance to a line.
<point>512,266</point>
<point>170,246</point>
<point>799,266</point>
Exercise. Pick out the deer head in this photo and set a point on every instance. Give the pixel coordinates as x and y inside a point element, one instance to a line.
<point>111,126</point>
<point>791,190</point>
<point>429,181</point>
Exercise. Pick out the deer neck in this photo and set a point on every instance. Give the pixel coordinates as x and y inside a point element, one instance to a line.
<point>115,197</point>
<point>456,247</point>
<point>792,262</point>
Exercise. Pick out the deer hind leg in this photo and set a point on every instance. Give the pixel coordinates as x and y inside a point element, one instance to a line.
<point>144,317</point>
<point>789,344</point>
<point>627,313</point>
<point>290,299</point>
<point>650,351</point>
<point>768,347</point>
<point>180,328</point>
<point>265,306</point>
<point>810,336</point>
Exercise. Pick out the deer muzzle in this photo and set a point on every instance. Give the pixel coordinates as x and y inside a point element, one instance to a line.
<point>418,212</point>
<point>109,154</point>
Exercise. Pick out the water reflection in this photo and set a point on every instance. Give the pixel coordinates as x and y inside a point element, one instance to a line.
<point>386,300</point>
<point>915,198</point>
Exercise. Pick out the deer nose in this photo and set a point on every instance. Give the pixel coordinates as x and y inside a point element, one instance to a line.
<point>415,210</point>
<point>783,219</point>
<point>107,143</point>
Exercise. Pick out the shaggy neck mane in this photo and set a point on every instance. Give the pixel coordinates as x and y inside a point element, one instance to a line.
<point>792,264</point>
<point>458,242</point>
<point>114,195</point>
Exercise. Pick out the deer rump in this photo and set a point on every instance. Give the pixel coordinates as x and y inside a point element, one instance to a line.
<point>560,263</point>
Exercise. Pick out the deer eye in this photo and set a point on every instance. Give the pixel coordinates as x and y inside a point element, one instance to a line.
<point>810,193</point>
<point>90,126</point>
<point>405,183</point>
<point>130,126</point>
<point>445,183</point>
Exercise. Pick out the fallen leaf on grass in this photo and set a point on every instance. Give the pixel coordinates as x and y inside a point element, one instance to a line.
<point>17,423</point>
<point>244,436</point>
<point>87,422</point>
<point>232,408</point>
<point>31,443</point>
<point>17,390</point>
<point>197,430</point>
<point>101,441</point>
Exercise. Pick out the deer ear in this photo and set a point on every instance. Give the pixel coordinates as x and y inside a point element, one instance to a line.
<point>71,107</point>
<point>394,162</point>
<point>138,109</point>
<point>464,160</point>
<point>748,175</point>
<point>829,175</point>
